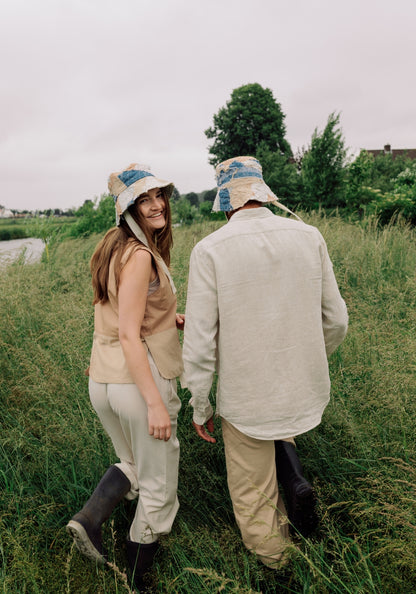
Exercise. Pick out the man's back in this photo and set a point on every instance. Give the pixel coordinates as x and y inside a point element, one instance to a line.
<point>270,281</point>
<point>264,310</point>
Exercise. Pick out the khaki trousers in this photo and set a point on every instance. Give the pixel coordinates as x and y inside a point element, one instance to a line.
<point>259,509</point>
<point>151,465</point>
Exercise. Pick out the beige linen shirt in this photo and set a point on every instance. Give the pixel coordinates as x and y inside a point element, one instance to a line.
<point>264,311</point>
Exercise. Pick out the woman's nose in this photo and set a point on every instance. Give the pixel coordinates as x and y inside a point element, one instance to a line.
<point>156,203</point>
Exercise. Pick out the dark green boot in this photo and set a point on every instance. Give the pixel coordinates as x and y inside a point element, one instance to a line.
<point>299,494</point>
<point>85,526</point>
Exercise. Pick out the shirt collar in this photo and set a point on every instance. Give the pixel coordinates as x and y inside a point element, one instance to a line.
<point>251,213</point>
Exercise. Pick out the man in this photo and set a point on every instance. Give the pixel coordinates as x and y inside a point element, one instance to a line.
<point>264,311</point>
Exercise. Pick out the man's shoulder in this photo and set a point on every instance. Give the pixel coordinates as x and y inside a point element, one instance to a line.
<point>233,231</point>
<point>213,238</point>
<point>281,223</point>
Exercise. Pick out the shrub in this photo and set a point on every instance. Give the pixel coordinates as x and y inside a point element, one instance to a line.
<point>401,202</point>
<point>93,217</point>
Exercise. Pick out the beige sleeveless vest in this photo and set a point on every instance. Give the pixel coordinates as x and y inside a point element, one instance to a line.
<point>158,332</point>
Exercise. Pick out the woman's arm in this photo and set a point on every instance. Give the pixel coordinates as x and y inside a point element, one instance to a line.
<point>132,296</point>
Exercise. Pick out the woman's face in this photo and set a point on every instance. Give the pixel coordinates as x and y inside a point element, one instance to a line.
<point>152,207</point>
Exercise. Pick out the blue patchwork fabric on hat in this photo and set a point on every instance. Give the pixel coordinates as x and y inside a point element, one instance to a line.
<point>127,185</point>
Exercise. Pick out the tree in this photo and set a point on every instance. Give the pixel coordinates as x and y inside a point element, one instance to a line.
<point>175,194</point>
<point>184,213</point>
<point>400,202</point>
<point>205,210</point>
<point>280,175</point>
<point>209,195</point>
<point>94,217</point>
<point>358,192</point>
<point>105,214</point>
<point>251,116</point>
<point>192,198</point>
<point>385,170</point>
<point>372,180</point>
<point>322,173</point>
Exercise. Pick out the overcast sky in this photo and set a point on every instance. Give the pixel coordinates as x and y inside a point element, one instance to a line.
<point>90,86</point>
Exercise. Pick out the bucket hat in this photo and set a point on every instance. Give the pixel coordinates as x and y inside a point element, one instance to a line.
<point>127,185</point>
<point>239,180</point>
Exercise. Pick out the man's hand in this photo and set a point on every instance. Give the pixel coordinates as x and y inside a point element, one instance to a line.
<point>180,321</point>
<point>201,431</point>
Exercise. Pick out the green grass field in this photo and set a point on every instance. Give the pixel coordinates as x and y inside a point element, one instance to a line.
<point>12,229</point>
<point>361,459</point>
<point>43,228</point>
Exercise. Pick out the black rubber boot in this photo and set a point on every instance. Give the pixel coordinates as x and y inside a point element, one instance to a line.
<point>140,559</point>
<point>299,494</point>
<point>85,526</point>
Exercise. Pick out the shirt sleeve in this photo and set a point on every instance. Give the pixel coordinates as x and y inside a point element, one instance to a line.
<point>334,309</point>
<point>200,335</point>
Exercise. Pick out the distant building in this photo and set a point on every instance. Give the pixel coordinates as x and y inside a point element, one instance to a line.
<point>5,213</point>
<point>409,153</point>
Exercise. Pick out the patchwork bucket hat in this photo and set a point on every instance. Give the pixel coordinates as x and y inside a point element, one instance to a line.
<point>239,180</point>
<point>127,185</point>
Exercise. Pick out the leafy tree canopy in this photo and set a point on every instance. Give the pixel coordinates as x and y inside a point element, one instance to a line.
<point>251,116</point>
<point>209,195</point>
<point>184,212</point>
<point>369,177</point>
<point>385,169</point>
<point>94,217</point>
<point>192,197</point>
<point>358,192</point>
<point>323,167</point>
<point>280,175</point>
<point>175,194</point>
<point>399,203</point>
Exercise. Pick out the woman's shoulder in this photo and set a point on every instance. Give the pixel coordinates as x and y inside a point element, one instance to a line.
<point>132,247</point>
<point>137,260</point>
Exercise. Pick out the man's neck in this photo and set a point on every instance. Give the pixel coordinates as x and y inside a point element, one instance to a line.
<point>251,204</point>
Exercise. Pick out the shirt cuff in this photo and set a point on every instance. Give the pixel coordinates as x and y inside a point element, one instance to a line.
<point>201,414</point>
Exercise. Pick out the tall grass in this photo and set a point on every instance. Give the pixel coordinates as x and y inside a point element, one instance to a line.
<point>361,459</point>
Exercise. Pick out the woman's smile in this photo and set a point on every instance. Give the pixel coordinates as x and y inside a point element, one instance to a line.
<point>152,207</point>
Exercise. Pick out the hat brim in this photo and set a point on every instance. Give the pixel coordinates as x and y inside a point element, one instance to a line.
<point>238,192</point>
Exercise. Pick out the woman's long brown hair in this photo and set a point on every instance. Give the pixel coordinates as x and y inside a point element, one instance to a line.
<point>115,242</point>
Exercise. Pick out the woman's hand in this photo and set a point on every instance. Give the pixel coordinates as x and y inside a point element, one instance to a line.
<point>159,421</point>
<point>180,321</point>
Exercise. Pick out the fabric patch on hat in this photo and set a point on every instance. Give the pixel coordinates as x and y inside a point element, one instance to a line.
<point>236,170</point>
<point>225,202</point>
<point>130,176</point>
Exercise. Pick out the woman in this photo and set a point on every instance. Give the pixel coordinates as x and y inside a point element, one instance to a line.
<point>135,359</point>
